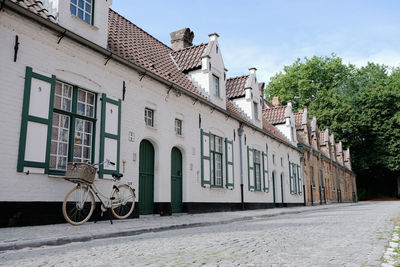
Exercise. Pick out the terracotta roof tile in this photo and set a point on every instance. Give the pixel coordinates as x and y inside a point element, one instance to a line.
<point>275,115</point>
<point>35,7</point>
<point>235,86</point>
<point>137,46</point>
<point>298,119</point>
<point>189,58</point>
<point>268,104</point>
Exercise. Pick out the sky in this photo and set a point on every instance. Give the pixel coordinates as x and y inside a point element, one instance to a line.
<point>269,34</point>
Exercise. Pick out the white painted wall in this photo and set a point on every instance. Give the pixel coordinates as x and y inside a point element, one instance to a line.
<point>204,76</point>
<point>252,96</point>
<point>97,33</point>
<point>80,66</point>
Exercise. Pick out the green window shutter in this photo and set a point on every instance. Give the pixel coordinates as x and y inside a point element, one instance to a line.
<point>294,169</point>
<point>291,178</point>
<point>250,168</point>
<point>205,158</point>
<point>37,117</point>
<point>299,179</point>
<point>265,171</point>
<point>110,132</point>
<point>230,176</point>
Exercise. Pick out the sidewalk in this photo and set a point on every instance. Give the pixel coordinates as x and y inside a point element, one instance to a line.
<point>58,234</point>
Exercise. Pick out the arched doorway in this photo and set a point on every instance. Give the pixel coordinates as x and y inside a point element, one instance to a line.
<point>176,180</point>
<point>146,177</point>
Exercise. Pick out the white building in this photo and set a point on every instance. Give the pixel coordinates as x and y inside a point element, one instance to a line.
<point>78,87</point>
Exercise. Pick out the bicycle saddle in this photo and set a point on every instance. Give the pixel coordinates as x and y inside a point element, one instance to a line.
<point>117,175</point>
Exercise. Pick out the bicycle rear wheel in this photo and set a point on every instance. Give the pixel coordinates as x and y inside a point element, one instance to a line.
<point>78,205</point>
<point>123,202</point>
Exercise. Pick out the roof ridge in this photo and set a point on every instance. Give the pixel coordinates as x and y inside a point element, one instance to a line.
<point>189,47</point>
<point>237,77</point>
<point>110,9</point>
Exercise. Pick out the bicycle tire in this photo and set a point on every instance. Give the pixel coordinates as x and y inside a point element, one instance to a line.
<point>123,201</point>
<point>78,205</point>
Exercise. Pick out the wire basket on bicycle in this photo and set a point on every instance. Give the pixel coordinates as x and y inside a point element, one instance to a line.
<point>80,171</point>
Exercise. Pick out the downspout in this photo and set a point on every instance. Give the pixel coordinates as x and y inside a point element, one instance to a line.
<point>240,134</point>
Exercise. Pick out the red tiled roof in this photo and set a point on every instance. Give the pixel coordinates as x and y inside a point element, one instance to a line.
<point>35,7</point>
<point>299,120</point>
<point>235,86</point>
<point>275,115</point>
<point>268,104</point>
<point>189,58</point>
<point>134,44</point>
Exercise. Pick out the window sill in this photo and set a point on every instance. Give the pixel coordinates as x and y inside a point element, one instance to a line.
<point>179,135</point>
<point>84,23</point>
<point>151,127</point>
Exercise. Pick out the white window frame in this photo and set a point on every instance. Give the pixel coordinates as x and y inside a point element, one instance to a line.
<point>149,117</point>
<point>178,127</point>
<point>86,10</point>
<point>216,85</point>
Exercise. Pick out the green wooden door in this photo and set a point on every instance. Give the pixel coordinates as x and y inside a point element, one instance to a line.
<point>176,180</point>
<point>146,177</point>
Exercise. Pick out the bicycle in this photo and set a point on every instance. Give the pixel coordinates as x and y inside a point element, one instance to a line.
<point>79,203</point>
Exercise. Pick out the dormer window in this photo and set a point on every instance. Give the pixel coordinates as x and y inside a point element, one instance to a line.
<point>83,9</point>
<point>255,110</point>
<point>216,85</point>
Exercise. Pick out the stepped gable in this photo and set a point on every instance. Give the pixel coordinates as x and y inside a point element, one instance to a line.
<point>275,115</point>
<point>298,119</point>
<point>137,46</point>
<point>35,7</point>
<point>274,131</point>
<point>189,58</point>
<point>235,111</point>
<point>235,86</point>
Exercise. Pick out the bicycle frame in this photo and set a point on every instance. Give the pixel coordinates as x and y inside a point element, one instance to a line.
<point>105,201</point>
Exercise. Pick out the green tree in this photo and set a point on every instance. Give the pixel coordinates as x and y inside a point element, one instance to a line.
<point>360,105</point>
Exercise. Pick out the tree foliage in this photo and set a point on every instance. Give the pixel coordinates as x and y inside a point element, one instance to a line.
<point>360,105</point>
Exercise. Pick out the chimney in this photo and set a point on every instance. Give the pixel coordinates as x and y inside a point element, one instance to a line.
<point>314,124</point>
<point>276,101</point>
<point>304,118</point>
<point>213,36</point>
<point>181,39</point>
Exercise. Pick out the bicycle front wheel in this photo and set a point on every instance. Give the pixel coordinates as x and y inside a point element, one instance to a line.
<point>122,202</point>
<point>78,205</point>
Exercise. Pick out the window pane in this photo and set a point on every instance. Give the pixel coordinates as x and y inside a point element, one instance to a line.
<point>80,3</point>
<point>83,140</point>
<point>73,1</point>
<point>80,13</point>
<point>88,8</point>
<point>59,143</point>
<point>81,109</point>
<point>73,10</point>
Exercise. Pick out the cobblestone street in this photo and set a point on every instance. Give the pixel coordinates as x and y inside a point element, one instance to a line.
<point>338,236</point>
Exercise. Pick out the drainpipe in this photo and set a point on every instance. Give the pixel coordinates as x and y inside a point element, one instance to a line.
<point>240,134</point>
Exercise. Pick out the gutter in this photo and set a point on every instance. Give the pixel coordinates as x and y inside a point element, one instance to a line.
<point>61,31</point>
<point>240,134</point>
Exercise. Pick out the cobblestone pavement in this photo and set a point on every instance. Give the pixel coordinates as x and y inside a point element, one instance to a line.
<point>338,236</point>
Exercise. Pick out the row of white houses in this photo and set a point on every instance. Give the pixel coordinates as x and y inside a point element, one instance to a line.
<point>81,83</point>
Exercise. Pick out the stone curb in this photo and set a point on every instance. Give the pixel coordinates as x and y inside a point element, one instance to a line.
<point>57,241</point>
